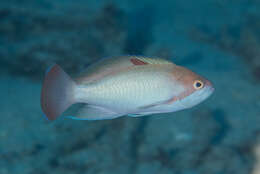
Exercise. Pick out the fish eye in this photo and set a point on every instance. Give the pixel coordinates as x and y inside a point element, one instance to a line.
<point>198,84</point>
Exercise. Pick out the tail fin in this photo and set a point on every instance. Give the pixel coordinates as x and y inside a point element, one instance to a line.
<point>57,92</point>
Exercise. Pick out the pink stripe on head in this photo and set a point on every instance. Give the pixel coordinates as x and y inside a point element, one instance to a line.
<point>181,96</point>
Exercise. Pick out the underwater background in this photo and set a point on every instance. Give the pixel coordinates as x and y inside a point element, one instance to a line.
<point>219,39</point>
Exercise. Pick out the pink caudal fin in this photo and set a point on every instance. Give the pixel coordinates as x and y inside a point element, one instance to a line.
<point>57,92</point>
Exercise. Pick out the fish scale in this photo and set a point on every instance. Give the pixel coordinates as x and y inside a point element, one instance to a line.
<point>129,90</point>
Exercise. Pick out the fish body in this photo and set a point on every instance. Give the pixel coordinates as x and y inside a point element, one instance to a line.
<point>133,86</point>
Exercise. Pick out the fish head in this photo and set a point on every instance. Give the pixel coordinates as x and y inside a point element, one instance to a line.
<point>194,88</point>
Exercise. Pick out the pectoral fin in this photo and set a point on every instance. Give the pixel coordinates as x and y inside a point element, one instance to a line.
<point>153,105</point>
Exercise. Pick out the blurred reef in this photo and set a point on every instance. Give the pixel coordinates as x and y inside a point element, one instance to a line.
<point>218,39</point>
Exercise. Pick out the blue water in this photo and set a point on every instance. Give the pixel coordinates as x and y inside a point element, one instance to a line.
<point>218,39</point>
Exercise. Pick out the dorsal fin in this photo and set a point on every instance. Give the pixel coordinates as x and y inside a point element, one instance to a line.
<point>107,66</point>
<point>146,60</point>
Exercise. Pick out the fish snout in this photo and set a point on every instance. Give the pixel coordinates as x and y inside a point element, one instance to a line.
<point>209,86</point>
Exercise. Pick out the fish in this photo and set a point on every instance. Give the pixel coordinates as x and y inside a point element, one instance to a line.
<point>132,86</point>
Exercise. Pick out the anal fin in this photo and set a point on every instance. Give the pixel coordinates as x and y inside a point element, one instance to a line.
<point>134,115</point>
<point>90,112</point>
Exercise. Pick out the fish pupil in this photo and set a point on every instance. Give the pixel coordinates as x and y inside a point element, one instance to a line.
<point>198,84</point>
